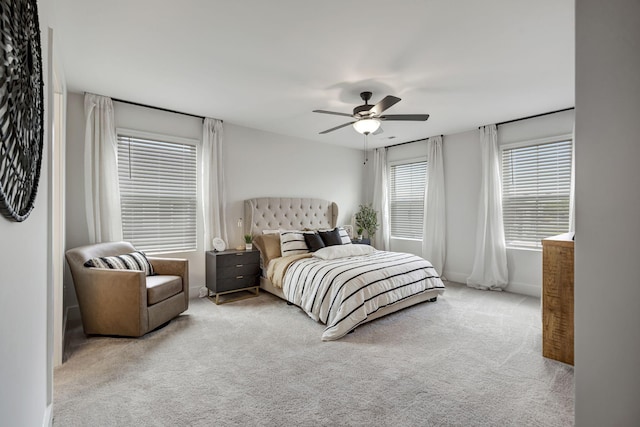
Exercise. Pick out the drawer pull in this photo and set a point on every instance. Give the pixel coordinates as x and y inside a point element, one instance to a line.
<point>239,265</point>
<point>239,277</point>
<point>239,254</point>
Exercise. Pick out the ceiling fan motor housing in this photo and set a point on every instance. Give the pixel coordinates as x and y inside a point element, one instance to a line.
<point>362,110</point>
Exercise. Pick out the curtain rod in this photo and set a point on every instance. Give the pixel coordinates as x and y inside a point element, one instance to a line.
<point>156,108</point>
<point>532,117</point>
<point>409,142</point>
<point>124,101</point>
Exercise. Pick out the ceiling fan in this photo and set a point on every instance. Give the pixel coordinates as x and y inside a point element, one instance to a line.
<point>368,117</point>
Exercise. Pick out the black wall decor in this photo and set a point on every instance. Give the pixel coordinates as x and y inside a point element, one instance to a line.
<point>21,107</point>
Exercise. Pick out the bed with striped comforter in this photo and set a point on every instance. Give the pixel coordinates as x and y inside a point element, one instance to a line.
<point>342,293</point>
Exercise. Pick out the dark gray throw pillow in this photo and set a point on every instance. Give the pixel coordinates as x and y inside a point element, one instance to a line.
<point>331,238</point>
<point>314,241</point>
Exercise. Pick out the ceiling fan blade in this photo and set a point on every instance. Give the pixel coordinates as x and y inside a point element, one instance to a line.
<point>388,101</point>
<point>336,128</point>
<point>332,112</point>
<point>406,117</point>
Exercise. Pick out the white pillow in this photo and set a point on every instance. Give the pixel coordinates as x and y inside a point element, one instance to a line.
<point>270,231</point>
<point>343,251</point>
<point>292,243</point>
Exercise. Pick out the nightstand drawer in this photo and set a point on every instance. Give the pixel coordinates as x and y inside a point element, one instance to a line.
<point>238,270</point>
<point>234,258</point>
<point>238,282</point>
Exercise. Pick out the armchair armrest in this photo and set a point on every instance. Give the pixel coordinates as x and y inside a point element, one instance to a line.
<point>113,300</point>
<point>173,267</point>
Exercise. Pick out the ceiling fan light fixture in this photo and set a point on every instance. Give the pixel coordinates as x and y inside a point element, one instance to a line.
<point>366,126</point>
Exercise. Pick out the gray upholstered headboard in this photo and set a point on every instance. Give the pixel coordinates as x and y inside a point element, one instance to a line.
<point>274,213</point>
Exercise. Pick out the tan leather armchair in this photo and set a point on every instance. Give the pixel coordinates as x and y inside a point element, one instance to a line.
<point>126,302</point>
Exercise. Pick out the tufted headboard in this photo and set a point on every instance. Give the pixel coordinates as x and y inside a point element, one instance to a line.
<point>273,213</point>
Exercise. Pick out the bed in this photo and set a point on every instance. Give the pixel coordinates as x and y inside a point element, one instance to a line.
<point>342,286</point>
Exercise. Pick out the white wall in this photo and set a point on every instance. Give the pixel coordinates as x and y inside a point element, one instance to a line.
<point>265,164</point>
<point>462,170</point>
<point>257,164</point>
<point>24,370</point>
<point>607,284</point>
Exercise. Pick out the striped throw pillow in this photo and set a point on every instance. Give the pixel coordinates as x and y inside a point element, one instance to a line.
<point>133,261</point>
<point>344,236</point>
<point>292,243</point>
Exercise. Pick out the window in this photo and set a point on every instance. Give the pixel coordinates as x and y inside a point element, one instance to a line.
<point>536,185</point>
<point>406,199</point>
<point>158,193</point>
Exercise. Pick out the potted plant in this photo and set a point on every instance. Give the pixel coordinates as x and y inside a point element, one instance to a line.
<point>367,219</point>
<point>248,245</point>
<point>360,230</point>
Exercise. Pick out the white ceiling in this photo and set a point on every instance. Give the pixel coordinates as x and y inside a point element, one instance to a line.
<point>268,64</point>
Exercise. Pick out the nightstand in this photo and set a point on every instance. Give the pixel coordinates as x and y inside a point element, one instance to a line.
<point>361,241</point>
<point>233,271</point>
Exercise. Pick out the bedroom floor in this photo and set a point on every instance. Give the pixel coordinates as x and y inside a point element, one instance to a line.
<point>473,358</point>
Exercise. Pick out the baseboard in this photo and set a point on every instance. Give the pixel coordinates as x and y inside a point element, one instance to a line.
<point>195,292</point>
<point>457,277</point>
<point>47,420</point>
<point>524,289</point>
<point>513,287</point>
<point>71,313</point>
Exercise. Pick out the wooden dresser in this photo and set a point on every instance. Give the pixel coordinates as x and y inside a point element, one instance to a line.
<point>557,298</point>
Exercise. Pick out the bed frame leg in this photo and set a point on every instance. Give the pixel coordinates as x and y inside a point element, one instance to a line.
<point>434,299</point>
<point>289,303</point>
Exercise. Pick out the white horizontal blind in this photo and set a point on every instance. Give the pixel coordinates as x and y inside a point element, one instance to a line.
<point>158,185</point>
<point>406,198</point>
<point>536,184</point>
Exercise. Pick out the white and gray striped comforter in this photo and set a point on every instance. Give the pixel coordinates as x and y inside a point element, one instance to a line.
<point>341,293</point>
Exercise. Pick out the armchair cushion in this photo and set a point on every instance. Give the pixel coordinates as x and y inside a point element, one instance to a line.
<point>131,261</point>
<point>159,288</point>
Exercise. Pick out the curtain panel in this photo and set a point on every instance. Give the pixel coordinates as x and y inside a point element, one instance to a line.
<point>380,198</point>
<point>490,263</point>
<point>213,183</point>
<point>433,235</point>
<point>102,190</point>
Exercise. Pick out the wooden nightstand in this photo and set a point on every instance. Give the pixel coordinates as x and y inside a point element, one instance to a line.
<point>361,241</point>
<point>233,271</point>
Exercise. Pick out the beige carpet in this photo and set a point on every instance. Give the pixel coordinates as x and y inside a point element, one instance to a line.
<point>473,358</point>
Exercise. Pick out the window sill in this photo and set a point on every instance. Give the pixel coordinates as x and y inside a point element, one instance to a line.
<point>407,239</point>
<point>522,248</point>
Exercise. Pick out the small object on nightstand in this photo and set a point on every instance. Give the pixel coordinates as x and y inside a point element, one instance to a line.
<point>233,271</point>
<point>218,244</point>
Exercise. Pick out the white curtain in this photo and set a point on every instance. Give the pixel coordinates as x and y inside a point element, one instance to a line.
<point>380,199</point>
<point>490,264</point>
<point>433,235</point>
<point>572,191</point>
<point>213,185</point>
<point>102,191</point>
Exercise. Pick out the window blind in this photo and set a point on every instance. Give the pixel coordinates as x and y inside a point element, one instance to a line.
<point>158,185</point>
<point>406,198</point>
<point>536,184</point>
